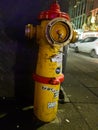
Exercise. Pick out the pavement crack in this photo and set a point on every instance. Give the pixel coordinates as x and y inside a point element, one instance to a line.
<point>89,89</point>
<point>82,117</point>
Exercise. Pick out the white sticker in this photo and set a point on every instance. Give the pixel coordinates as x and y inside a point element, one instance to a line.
<point>56,94</point>
<point>57,58</point>
<point>52,104</point>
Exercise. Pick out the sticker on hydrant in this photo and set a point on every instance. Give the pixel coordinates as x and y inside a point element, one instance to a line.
<point>57,58</point>
<point>55,92</point>
<point>52,104</point>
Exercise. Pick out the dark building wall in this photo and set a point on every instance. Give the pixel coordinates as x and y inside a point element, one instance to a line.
<point>95,4</point>
<point>17,54</point>
<point>18,13</point>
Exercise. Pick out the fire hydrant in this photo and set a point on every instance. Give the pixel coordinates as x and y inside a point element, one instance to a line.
<point>54,32</point>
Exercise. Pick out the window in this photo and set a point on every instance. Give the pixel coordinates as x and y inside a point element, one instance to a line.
<point>89,39</point>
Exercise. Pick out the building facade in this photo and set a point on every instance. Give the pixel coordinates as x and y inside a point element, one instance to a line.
<point>84,14</point>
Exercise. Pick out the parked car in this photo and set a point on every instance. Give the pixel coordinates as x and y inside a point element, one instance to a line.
<point>88,45</point>
<point>73,45</point>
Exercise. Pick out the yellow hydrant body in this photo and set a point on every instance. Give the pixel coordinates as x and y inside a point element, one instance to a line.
<point>54,32</point>
<point>48,70</point>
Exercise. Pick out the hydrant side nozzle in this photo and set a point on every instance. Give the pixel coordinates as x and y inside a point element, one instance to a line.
<point>30,31</point>
<point>59,31</point>
<point>74,37</point>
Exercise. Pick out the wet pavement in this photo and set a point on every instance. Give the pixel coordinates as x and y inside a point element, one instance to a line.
<point>80,110</point>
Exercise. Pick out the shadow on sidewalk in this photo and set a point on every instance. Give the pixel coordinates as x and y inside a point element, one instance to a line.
<point>14,117</point>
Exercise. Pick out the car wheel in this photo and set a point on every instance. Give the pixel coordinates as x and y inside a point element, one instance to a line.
<point>93,54</point>
<point>76,49</point>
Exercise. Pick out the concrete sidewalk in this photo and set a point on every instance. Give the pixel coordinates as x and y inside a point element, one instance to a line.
<point>80,112</point>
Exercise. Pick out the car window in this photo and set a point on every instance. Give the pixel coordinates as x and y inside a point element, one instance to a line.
<point>89,39</point>
<point>92,39</point>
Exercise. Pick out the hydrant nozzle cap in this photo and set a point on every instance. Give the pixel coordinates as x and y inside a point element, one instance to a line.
<point>53,12</point>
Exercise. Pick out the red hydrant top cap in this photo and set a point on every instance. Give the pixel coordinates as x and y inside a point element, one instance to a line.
<point>54,12</point>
